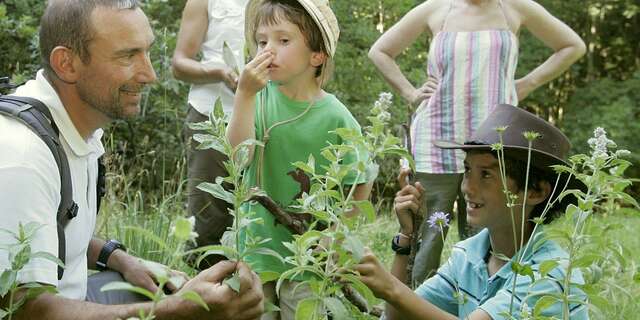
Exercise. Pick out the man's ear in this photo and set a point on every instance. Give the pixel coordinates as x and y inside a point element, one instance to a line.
<point>538,194</point>
<point>318,58</point>
<point>65,63</point>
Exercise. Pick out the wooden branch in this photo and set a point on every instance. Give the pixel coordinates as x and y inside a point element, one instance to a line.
<point>297,223</point>
<point>416,218</point>
<point>417,223</point>
<point>358,301</point>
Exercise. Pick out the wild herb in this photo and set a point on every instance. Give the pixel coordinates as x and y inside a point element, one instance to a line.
<point>12,290</point>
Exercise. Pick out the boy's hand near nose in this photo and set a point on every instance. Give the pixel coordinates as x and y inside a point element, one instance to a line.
<point>252,79</point>
<point>255,74</point>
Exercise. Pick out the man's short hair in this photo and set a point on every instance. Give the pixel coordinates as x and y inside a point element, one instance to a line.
<point>274,11</point>
<point>68,23</point>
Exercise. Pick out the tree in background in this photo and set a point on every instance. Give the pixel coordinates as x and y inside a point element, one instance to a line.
<point>153,142</point>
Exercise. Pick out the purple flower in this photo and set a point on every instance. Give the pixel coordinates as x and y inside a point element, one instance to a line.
<point>439,220</point>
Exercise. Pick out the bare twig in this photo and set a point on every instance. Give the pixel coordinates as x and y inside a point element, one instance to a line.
<point>417,218</point>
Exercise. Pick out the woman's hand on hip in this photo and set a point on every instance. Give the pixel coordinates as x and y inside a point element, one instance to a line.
<point>424,92</point>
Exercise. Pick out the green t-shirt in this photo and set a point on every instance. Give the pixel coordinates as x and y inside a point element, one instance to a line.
<point>289,143</point>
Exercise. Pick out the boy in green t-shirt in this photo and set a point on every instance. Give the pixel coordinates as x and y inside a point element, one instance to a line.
<point>280,101</point>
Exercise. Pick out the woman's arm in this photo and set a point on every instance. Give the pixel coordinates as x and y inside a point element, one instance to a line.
<point>400,36</point>
<point>566,44</point>
<point>193,29</point>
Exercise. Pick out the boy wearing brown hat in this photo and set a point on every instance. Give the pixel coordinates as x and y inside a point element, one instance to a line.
<point>477,281</point>
<point>280,102</point>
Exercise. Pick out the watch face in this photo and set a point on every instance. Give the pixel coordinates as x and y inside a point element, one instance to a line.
<point>117,245</point>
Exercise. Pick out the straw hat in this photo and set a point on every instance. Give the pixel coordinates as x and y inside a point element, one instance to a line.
<point>319,11</point>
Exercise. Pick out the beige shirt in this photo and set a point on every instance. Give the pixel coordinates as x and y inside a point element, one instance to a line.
<point>226,24</point>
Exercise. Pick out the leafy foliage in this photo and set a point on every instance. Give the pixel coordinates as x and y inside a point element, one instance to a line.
<point>617,106</point>
<point>155,142</point>
<point>20,254</point>
<point>147,158</point>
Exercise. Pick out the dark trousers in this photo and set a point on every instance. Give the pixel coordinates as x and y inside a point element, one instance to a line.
<point>212,214</point>
<point>442,190</point>
<point>98,280</point>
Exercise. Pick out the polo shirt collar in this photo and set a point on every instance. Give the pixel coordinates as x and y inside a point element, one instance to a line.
<point>477,249</point>
<point>506,272</point>
<point>41,89</point>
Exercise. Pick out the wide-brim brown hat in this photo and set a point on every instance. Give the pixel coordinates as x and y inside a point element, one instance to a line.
<point>320,12</point>
<point>550,148</point>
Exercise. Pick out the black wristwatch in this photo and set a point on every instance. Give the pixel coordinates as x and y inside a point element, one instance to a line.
<point>403,251</point>
<point>108,248</point>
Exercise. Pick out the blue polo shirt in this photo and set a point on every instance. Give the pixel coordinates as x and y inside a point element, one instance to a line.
<point>467,269</point>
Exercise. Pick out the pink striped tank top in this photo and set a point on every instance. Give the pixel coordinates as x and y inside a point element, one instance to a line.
<point>476,71</point>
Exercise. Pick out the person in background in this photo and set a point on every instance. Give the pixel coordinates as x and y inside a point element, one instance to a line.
<point>205,28</point>
<point>471,68</point>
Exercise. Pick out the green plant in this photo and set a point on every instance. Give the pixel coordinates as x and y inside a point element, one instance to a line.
<point>238,158</point>
<point>327,255</point>
<point>181,233</point>
<point>19,256</point>
<point>602,174</point>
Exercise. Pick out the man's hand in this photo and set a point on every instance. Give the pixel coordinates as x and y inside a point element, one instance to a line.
<point>407,202</point>
<point>132,270</point>
<point>255,74</point>
<point>424,92</point>
<point>223,302</point>
<point>140,273</point>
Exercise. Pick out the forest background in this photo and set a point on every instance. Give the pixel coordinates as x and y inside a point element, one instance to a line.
<point>601,89</point>
<point>146,157</point>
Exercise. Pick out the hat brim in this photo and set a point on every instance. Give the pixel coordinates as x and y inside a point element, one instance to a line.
<point>539,158</point>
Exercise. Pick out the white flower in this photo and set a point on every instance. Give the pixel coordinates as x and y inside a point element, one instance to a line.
<point>600,143</point>
<point>386,97</point>
<point>383,103</point>
<point>384,116</point>
<point>623,153</point>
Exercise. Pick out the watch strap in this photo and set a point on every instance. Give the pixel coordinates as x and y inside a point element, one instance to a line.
<point>106,251</point>
<point>403,251</point>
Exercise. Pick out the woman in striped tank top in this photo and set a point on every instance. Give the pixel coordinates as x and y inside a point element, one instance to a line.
<point>471,66</point>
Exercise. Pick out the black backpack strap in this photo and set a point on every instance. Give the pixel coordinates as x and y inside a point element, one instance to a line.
<point>101,185</point>
<point>36,116</point>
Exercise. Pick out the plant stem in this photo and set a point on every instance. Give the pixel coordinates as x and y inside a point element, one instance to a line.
<point>11,297</point>
<point>503,177</point>
<point>524,203</point>
<point>577,231</point>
